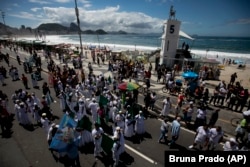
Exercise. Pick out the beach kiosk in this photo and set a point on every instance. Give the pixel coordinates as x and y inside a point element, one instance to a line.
<point>211,65</point>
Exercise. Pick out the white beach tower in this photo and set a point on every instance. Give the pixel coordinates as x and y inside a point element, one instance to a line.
<point>170,39</point>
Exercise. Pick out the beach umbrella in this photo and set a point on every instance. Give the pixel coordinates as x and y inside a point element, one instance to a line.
<point>128,86</point>
<point>189,74</point>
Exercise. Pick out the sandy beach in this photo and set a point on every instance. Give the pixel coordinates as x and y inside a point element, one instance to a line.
<point>243,75</point>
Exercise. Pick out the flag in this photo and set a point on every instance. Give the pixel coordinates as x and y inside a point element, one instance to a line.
<point>58,141</point>
<point>107,143</point>
<point>103,100</point>
<point>67,121</point>
<point>109,79</point>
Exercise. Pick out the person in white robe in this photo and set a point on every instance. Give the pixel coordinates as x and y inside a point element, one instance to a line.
<point>62,100</point>
<point>97,133</point>
<point>45,123</point>
<point>167,106</point>
<point>118,133</point>
<point>70,103</point>
<point>36,99</point>
<point>116,151</point>
<point>139,124</point>
<point>82,110</point>
<point>93,108</point>
<point>24,118</point>
<point>30,105</point>
<point>80,87</point>
<point>129,126</point>
<point>119,120</point>
<point>16,110</point>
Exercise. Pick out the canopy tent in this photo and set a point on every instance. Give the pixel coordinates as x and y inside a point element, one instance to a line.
<point>182,34</point>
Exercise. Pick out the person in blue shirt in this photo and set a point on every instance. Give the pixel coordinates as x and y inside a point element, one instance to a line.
<point>175,131</point>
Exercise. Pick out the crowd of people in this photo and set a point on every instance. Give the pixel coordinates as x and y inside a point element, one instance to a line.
<point>87,97</point>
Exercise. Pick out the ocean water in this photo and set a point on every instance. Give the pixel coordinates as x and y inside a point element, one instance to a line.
<point>210,47</point>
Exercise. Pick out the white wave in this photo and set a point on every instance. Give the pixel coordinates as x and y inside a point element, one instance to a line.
<point>221,55</point>
<point>203,53</point>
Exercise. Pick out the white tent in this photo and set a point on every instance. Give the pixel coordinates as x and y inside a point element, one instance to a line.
<point>182,34</point>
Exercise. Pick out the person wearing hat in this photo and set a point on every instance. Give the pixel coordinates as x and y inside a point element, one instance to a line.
<point>116,151</point>
<point>51,132</point>
<point>118,133</point>
<point>113,111</point>
<point>62,100</point>
<point>231,145</point>
<point>24,118</point>
<point>139,125</point>
<point>129,126</point>
<point>82,109</point>
<point>16,109</point>
<point>97,133</point>
<point>45,122</point>
<point>120,120</point>
<point>93,109</point>
<point>35,99</point>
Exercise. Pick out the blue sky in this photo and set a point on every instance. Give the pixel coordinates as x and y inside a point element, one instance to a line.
<point>201,17</point>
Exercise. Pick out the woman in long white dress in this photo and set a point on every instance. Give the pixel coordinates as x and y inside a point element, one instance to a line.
<point>139,124</point>
<point>62,100</point>
<point>24,118</point>
<point>167,105</point>
<point>129,126</point>
<point>118,133</point>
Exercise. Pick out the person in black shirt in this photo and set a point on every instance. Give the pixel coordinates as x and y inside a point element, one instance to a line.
<point>214,118</point>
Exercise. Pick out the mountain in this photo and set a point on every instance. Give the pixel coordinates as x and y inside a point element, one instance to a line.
<point>60,29</point>
<point>7,30</point>
<point>52,26</point>
<point>101,32</point>
<point>73,27</point>
<point>117,32</point>
<point>51,29</point>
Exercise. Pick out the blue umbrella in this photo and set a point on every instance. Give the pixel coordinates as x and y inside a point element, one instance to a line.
<point>189,74</point>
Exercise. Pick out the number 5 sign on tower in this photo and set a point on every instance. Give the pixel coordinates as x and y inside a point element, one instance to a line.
<point>171,30</point>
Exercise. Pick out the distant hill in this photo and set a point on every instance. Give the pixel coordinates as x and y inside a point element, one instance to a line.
<point>117,32</point>
<point>52,29</point>
<point>52,26</point>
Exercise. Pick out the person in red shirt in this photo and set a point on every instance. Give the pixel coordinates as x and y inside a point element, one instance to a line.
<point>25,81</point>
